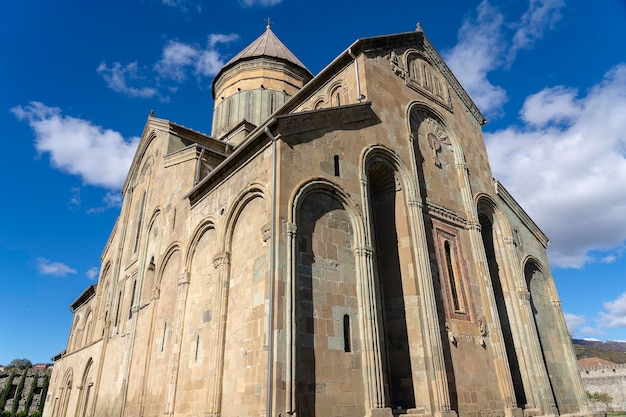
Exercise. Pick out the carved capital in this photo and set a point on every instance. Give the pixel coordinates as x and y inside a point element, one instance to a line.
<point>524,294</point>
<point>291,228</point>
<point>364,250</point>
<point>184,278</point>
<point>509,240</point>
<point>472,225</point>
<point>462,165</point>
<point>221,260</point>
<point>415,202</point>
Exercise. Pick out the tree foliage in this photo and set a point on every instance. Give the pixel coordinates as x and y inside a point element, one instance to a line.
<point>21,363</point>
<point>599,397</point>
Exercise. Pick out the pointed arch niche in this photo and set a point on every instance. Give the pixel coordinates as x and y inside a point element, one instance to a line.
<point>493,232</point>
<point>245,335</point>
<point>329,371</point>
<point>391,240</point>
<point>438,166</point>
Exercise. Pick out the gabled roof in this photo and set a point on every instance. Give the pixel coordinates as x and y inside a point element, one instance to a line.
<point>267,45</point>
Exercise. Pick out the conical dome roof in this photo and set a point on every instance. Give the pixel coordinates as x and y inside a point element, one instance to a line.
<point>267,45</point>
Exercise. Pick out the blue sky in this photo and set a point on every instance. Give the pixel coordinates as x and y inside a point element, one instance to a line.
<point>78,79</point>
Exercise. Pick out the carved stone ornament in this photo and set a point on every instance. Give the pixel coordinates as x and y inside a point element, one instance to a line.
<point>221,260</point>
<point>451,334</point>
<point>482,325</point>
<point>435,135</point>
<point>266,232</point>
<point>396,65</point>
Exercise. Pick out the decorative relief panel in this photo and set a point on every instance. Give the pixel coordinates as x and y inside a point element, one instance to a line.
<point>453,275</point>
<point>416,70</point>
<point>434,134</point>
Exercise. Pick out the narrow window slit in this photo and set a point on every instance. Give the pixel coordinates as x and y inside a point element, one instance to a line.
<point>336,158</point>
<point>163,338</point>
<point>346,334</point>
<point>452,278</point>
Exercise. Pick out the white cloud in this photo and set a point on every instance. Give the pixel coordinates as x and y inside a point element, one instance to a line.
<point>615,314</point>
<point>92,273</point>
<point>551,105</point>
<point>59,269</point>
<point>265,3</point>
<point>541,14</point>
<point>483,42</point>
<point>75,200</point>
<point>567,167</point>
<point>573,323</point>
<point>101,157</point>
<point>179,58</point>
<point>110,200</point>
<point>117,77</point>
<point>184,5</point>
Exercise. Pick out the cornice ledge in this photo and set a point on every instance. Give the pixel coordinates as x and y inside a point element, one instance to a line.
<point>520,213</point>
<point>434,56</point>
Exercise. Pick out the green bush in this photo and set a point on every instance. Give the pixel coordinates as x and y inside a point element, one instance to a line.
<point>18,393</point>
<point>5,392</point>
<point>31,392</point>
<point>36,413</point>
<point>22,413</point>
<point>44,392</point>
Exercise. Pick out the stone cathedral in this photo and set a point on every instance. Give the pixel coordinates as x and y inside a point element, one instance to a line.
<point>337,247</point>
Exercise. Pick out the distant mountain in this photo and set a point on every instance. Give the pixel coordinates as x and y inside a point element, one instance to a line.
<point>610,351</point>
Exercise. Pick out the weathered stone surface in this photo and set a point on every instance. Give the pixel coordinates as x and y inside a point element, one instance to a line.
<point>351,256</point>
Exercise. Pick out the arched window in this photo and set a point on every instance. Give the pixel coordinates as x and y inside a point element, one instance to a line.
<point>336,162</point>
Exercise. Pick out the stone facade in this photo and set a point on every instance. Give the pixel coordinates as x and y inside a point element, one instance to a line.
<point>347,255</point>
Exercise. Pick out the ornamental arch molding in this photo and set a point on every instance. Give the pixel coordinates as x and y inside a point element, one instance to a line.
<point>382,154</point>
<point>173,248</point>
<point>324,186</point>
<point>206,225</point>
<point>239,203</point>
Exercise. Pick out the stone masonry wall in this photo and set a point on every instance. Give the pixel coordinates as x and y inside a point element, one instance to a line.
<point>610,380</point>
<point>39,389</point>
